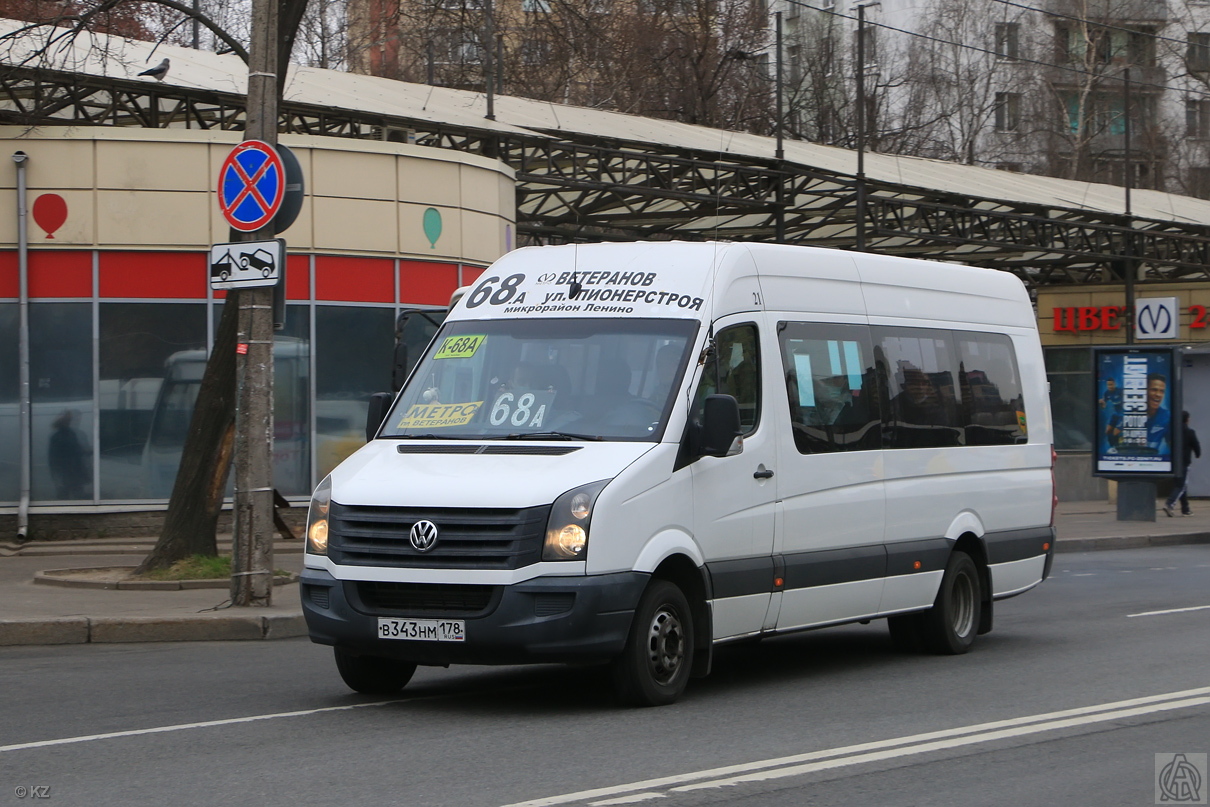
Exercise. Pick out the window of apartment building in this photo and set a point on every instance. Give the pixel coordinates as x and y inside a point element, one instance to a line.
<point>1140,47</point>
<point>794,63</point>
<point>1008,111</point>
<point>535,51</point>
<point>1199,182</point>
<point>1008,40</point>
<point>1104,113</point>
<point>1105,45</point>
<point>535,6</point>
<point>1197,53</point>
<point>1197,118</point>
<point>866,37</point>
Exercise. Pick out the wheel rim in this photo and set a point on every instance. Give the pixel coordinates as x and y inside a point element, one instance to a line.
<point>665,645</point>
<point>962,603</point>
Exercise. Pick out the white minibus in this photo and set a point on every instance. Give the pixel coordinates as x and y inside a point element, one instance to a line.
<point>630,454</point>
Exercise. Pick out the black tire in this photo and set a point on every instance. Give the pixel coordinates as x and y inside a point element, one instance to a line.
<point>371,675</point>
<point>950,626</point>
<point>654,667</point>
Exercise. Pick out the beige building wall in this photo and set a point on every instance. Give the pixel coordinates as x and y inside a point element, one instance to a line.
<point>155,189</point>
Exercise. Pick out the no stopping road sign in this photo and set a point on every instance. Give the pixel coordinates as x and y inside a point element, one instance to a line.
<point>251,185</point>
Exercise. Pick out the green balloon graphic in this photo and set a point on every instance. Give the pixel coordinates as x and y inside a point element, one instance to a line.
<point>432,225</point>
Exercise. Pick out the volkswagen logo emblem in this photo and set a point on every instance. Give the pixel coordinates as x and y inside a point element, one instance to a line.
<point>423,536</point>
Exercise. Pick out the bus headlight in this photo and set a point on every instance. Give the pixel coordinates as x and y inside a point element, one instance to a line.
<point>567,529</point>
<point>317,518</point>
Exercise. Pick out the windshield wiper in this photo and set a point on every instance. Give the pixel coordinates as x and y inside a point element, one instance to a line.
<point>552,436</point>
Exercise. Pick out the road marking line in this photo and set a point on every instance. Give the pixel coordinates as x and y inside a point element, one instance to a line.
<point>636,798</point>
<point>1170,611</point>
<point>185,726</point>
<point>1048,721</point>
<point>942,745</point>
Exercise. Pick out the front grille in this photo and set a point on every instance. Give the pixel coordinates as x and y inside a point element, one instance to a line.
<point>467,538</point>
<point>422,598</point>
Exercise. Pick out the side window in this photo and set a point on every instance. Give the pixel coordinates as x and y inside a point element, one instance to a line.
<point>830,383</point>
<point>733,368</point>
<point>991,389</point>
<point>922,392</point>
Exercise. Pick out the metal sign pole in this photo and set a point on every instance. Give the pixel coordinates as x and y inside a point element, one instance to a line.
<point>252,549</point>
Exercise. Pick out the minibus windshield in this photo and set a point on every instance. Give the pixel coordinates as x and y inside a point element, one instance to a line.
<point>550,379</point>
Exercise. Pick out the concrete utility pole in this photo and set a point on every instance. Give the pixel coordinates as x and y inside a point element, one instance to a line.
<point>252,549</point>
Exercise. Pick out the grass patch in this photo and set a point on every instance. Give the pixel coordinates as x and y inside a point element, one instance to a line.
<point>198,567</point>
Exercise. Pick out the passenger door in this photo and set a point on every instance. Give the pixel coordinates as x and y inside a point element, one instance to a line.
<point>734,497</point>
<point>830,467</point>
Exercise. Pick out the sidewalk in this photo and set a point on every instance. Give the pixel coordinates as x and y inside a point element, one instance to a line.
<point>36,613</point>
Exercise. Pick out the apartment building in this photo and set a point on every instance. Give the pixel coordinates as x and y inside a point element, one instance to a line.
<point>1038,86</point>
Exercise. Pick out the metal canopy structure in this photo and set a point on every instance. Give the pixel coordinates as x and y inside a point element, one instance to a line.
<point>585,174</point>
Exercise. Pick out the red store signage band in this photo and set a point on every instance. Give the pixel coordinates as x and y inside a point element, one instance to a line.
<point>1110,318</point>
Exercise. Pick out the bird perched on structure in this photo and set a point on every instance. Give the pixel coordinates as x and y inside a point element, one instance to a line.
<point>158,72</point>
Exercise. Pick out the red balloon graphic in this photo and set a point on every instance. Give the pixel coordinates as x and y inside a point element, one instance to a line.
<point>50,211</point>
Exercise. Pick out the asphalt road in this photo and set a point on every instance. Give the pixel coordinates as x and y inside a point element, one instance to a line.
<point>1068,701</point>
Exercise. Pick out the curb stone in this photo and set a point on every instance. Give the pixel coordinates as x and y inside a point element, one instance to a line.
<point>56,577</point>
<point>108,630</point>
<point>1130,542</point>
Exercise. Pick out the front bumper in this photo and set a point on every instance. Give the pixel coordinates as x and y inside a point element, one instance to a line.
<point>545,619</point>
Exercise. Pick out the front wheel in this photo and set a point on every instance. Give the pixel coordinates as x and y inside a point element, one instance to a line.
<point>654,667</point>
<point>949,627</point>
<point>371,675</point>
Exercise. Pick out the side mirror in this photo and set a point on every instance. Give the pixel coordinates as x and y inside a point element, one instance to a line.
<point>400,367</point>
<point>720,436</point>
<point>380,403</point>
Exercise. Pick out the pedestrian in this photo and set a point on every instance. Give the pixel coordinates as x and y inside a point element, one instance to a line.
<point>1181,488</point>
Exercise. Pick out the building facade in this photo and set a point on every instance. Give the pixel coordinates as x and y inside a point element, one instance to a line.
<point>121,312</point>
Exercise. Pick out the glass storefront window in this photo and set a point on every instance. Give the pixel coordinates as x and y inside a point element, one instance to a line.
<point>291,404</point>
<point>1069,371</point>
<point>61,401</point>
<point>10,406</point>
<point>353,356</point>
<point>151,357</point>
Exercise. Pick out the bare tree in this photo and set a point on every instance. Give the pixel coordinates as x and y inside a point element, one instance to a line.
<point>966,83</point>
<point>700,61</point>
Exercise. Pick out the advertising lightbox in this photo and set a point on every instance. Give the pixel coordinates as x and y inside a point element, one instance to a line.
<point>1137,408</point>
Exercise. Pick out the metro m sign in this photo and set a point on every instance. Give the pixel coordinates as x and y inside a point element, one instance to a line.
<point>1157,318</point>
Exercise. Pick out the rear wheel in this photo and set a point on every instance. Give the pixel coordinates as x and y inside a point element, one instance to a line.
<point>371,675</point>
<point>654,667</point>
<point>949,627</point>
